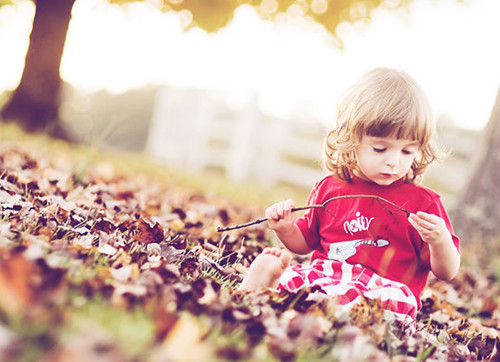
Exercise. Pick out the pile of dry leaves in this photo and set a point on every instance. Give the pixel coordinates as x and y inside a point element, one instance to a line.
<point>102,265</point>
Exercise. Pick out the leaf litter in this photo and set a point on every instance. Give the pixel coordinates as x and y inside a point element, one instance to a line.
<point>126,245</point>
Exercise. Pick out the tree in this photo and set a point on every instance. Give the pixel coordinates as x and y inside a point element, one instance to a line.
<point>478,212</point>
<point>34,104</point>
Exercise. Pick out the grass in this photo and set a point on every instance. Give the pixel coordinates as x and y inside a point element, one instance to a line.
<point>133,163</point>
<point>114,324</point>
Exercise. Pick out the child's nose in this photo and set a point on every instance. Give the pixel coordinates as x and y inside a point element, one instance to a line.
<point>391,160</point>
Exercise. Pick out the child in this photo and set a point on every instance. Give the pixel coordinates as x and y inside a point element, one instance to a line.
<point>380,246</point>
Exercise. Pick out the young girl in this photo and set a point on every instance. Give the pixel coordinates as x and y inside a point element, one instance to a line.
<point>384,243</point>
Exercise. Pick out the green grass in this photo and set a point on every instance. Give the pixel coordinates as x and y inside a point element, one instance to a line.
<point>132,330</point>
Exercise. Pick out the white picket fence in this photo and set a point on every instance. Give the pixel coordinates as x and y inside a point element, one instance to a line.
<point>200,130</point>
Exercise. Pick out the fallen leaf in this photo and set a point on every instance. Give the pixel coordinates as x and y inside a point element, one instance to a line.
<point>148,232</point>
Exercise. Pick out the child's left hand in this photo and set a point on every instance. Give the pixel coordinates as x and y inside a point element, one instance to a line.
<point>431,228</point>
<point>445,258</point>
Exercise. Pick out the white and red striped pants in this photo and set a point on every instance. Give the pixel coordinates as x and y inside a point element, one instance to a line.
<point>348,283</point>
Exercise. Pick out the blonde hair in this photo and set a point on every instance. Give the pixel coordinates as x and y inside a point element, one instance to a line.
<point>383,103</point>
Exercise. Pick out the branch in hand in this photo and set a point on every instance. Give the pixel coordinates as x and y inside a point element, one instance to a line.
<point>322,206</point>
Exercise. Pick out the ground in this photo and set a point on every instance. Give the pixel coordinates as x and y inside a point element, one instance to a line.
<point>101,258</point>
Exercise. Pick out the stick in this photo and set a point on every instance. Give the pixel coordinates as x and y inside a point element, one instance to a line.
<point>322,206</point>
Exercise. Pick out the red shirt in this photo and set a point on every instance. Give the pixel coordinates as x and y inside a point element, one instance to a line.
<point>371,232</point>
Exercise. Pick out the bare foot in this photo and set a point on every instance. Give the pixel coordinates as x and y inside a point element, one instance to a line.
<point>266,269</point>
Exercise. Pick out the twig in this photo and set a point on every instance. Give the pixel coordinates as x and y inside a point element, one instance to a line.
<point>321,206</point>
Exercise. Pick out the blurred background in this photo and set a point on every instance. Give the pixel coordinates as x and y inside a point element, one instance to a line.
<point>249,91</point>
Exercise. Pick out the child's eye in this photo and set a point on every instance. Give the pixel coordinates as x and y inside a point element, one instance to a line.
<point>379,150</point>
<point>407,152</point>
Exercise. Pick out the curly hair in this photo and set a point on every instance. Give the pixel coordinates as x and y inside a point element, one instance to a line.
<point>383,103</point>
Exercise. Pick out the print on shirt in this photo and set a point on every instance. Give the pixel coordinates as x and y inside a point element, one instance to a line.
<point>359,223</point>
<point>345,249</point>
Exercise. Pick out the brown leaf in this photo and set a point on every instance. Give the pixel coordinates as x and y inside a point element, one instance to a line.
<point>148,233</point>
<point>164,320</point>
<point>15,283</point>
<point>104,225</point>
<point>488,308</point>
<point>224,217</point>
<point>24,282</point>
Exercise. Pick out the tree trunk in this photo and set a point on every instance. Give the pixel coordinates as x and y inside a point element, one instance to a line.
<point>34,105</point>
<point>477,215</point>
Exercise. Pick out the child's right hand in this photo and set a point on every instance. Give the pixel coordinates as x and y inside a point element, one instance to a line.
<point>280,216</point>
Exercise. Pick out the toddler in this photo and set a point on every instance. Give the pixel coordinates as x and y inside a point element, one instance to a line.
<point>384,243</point>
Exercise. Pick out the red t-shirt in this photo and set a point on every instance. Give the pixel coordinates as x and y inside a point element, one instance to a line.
<point>371,232</point>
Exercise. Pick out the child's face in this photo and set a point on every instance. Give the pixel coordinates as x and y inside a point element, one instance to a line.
<point>384,160</point>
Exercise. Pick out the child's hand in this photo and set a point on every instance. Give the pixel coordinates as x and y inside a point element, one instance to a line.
<point>445,258</point>
<point>280,216</point>
<point>431,228</point>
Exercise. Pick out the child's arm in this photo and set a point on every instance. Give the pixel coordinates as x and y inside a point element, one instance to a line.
<point>281,220</point>
<point>445,258</point>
